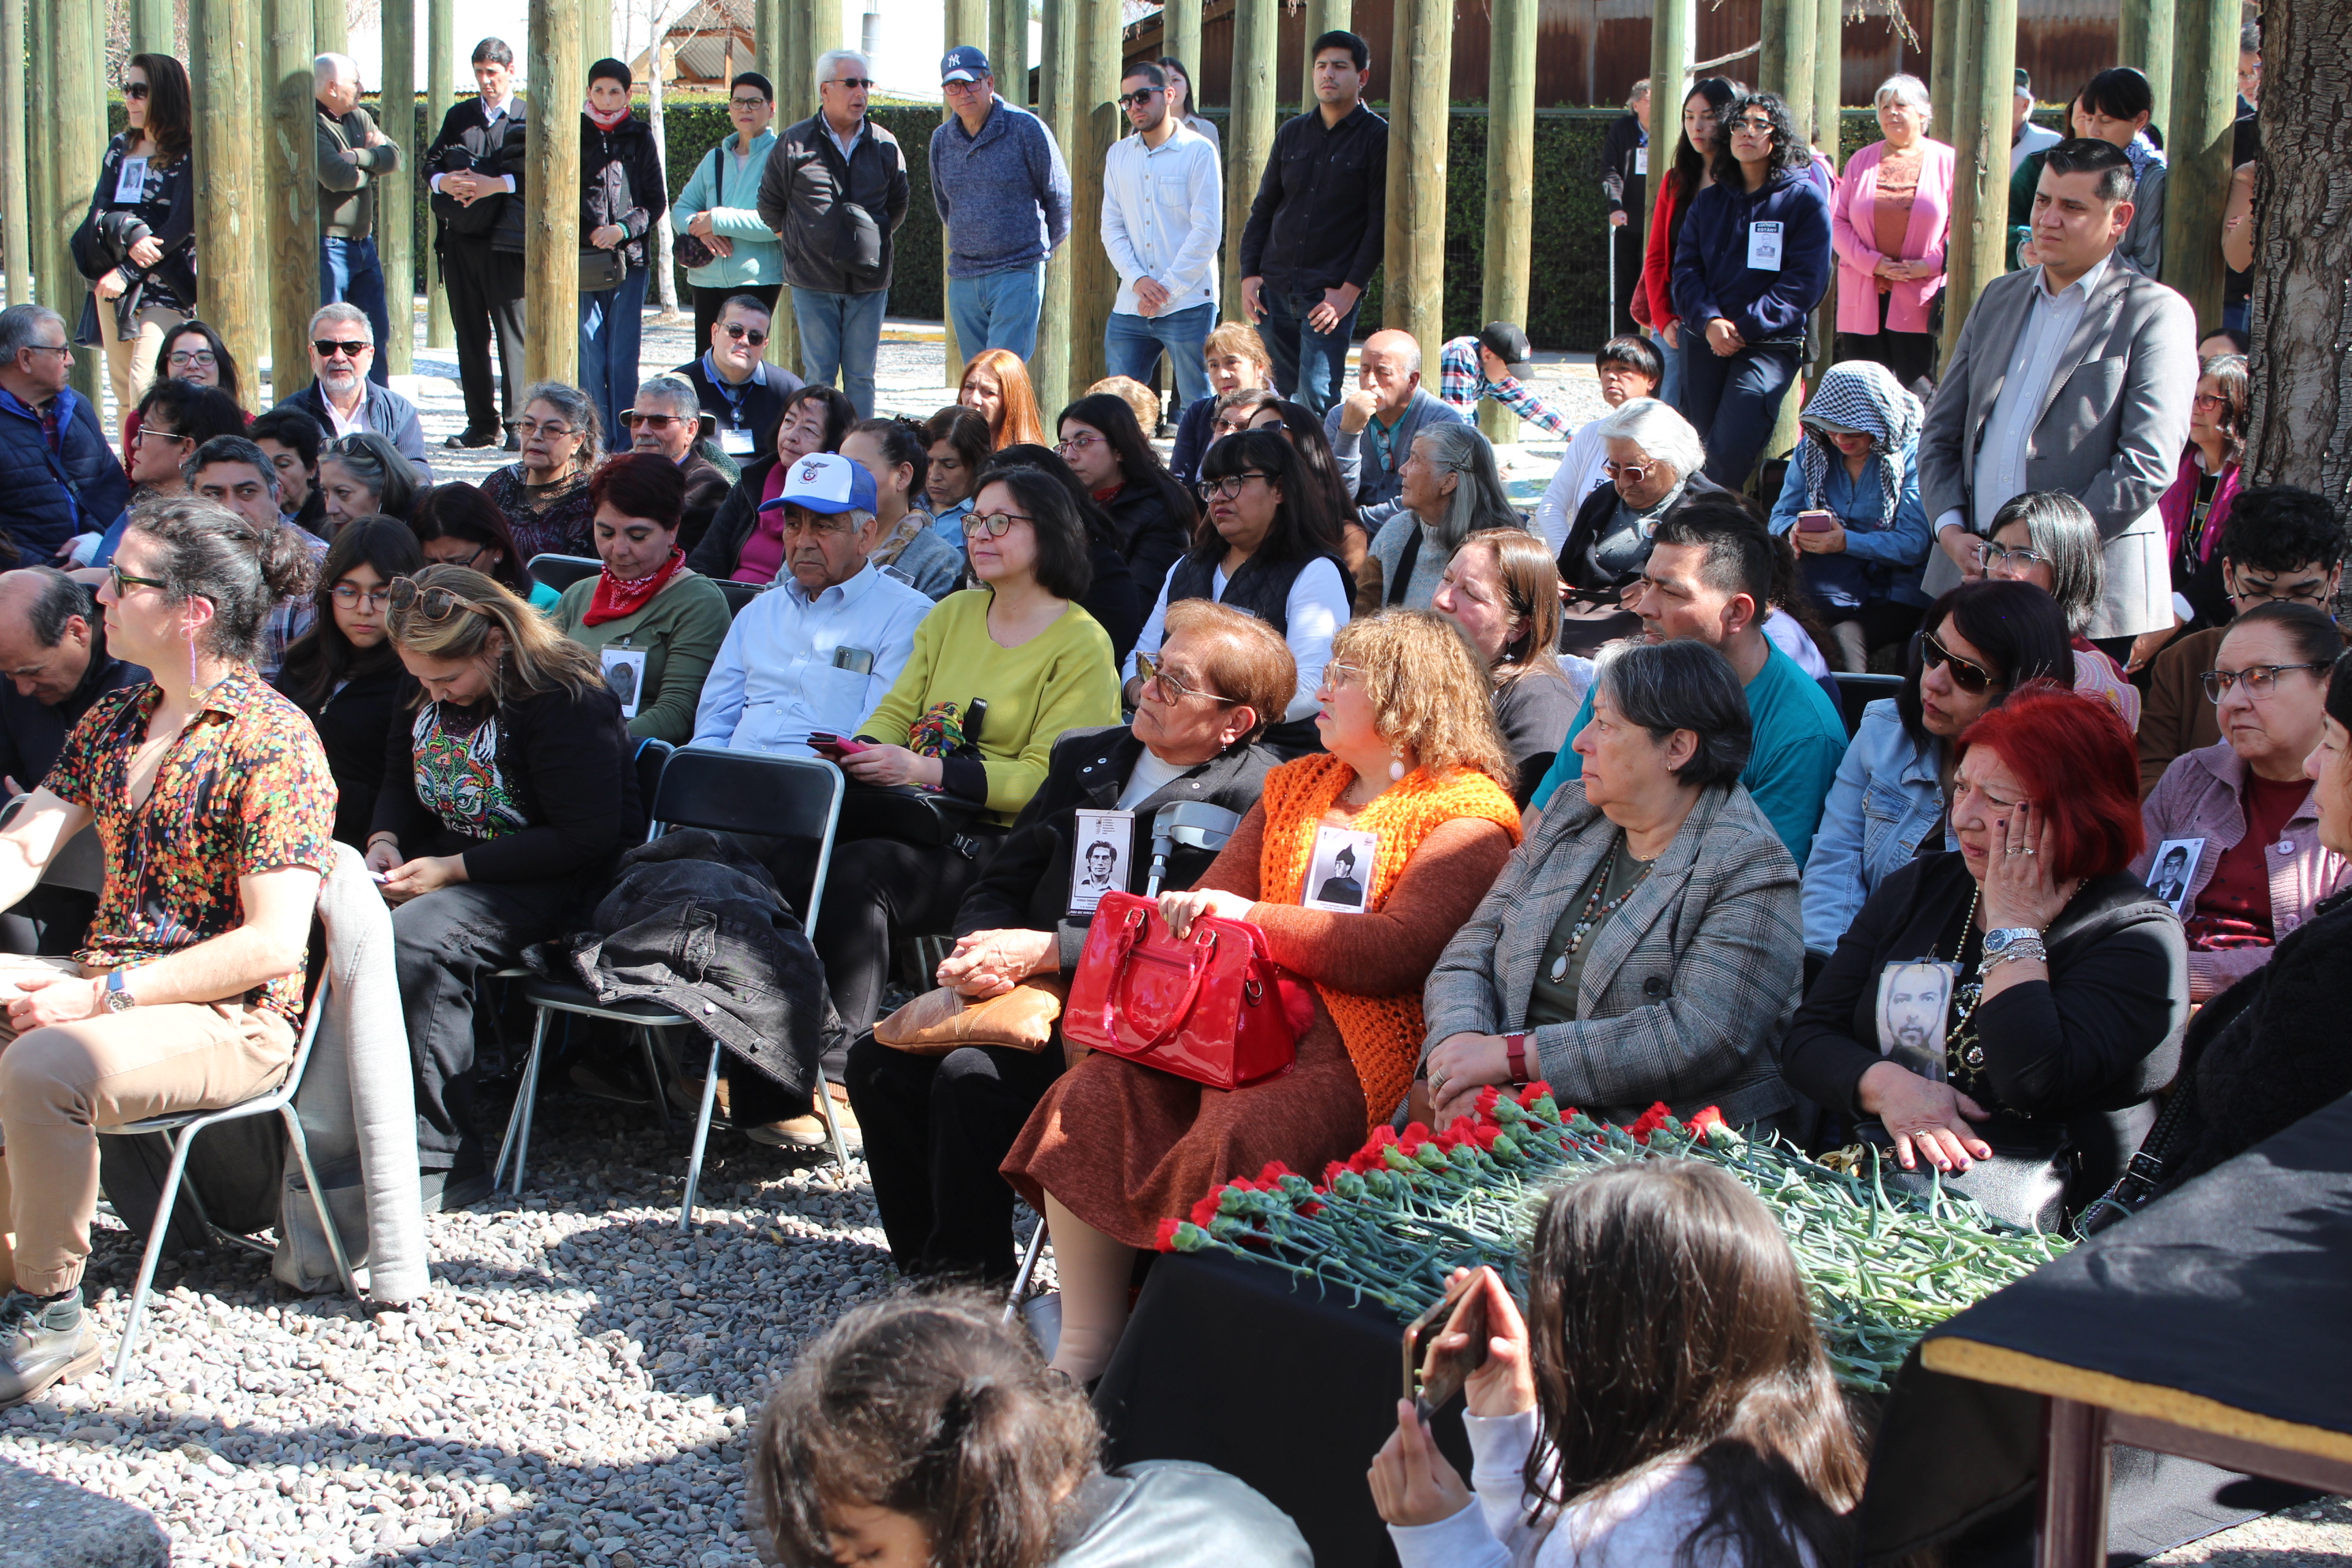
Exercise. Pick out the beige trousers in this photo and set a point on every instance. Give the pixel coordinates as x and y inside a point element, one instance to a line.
<point>58,1086</point>
<point>131,361</point>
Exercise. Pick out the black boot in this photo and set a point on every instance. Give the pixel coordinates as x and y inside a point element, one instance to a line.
<point>43,1341</point>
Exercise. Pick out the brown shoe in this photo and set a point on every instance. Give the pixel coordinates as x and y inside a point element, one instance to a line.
<point>685,1094</point>
<point>795,1132</point>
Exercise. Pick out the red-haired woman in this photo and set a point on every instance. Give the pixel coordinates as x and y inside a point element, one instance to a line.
<point>2013,1005</point>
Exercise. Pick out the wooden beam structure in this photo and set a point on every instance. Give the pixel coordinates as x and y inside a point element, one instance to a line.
<point>783,33</point>
<point>288,179</point>
<point>1829,76</point>
<point>1943,65</point>
<point>2200,138</point>
<point>1674,35</point>
<point>597,34</point>
<point>550,241</point>
<point>1180,37</point>
<point>16,208</point>
<point>1511,184</point>
<point>1322,16</point>
<point>1421,66</point>
<point>1249,129</point>
<point>155,27</point>
<point>395,193</point>
<point>229,210</point>
<point>1985,82</point>
<point>40,171</point>
<point>332,30</point>
<point>1784,63</point>
<point>1008,48</point>
<point>1094,282</point>
<point>964,22</point>
<point>440,74</point>
<point>2149,33</point>
<point>1049,368</point>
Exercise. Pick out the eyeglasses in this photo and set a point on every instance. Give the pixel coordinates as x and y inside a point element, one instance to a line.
<point>1174,689</point>
<point>2261,679</point>
<point>1754,123</point>
<point>183,358</point>
<point>135,91</point>
<point>157,433</point>
<point>349,347</point>
<point>751,103</point>
<point>1966,674</point>
<point>433,603</point>
<point>124,582</point>
<point>995,524</point>
<point>1229,486</point>
<point>527,428</point>
<point>2312,591</point>
<point>1139,97</point>
<point>1632,473</point>
<point>851,81</point>
<point>467,560</point>
<point>2208,400</point>
<point>1997,556</point>
<point>1338,676</point>
<point>737,331</point>
<point>64,349</point>
<point>1070,445</point>
<point>631,419</point>
<point>349,596</point>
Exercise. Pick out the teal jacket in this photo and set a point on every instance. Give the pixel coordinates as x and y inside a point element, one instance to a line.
<point>732,199</point>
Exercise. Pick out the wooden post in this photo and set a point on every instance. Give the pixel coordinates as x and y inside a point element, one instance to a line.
<point>2147,33</point>
<point>1322,16</point>
<point>1181,38</point>
<point>288,179</point>
<point>1008,48</point>
<point>783,52</point>
<point>1986,82</point>
<point>2200,138</point>
<point>1511,184</point>
<point>551,240</point>
<point>1943,63</point>
<point>1249,129</point>
<point>440,69</point>
<point>1049,370</point>
<point>597,34</point>
<point>966,22</point>
<point>395,193</point>
<point>222,48</point>
<point>1415,261</point>
<point>41,281</point>
<point>1673,32</point>
<point>154,28</point>
<point>15,210</point>
<point>73,116</point>
<point>1094,284</point>
<point>1828,88</point>
<point>1784,64</point>
<point>333,35</point>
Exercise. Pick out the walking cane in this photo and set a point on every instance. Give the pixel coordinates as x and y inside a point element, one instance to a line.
<point>1610,231</point>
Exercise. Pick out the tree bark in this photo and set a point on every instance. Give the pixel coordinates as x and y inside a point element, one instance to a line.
<point>288,174</point>
<point>1511,184</point>
<point>440,27</point>
<point>552,236</point>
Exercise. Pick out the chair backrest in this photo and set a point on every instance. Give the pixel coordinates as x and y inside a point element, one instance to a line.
<point>1856,692</point>
<point>559,572</point>
<point>652,756</point>
<point>737,594</point>
<point>755,792</point>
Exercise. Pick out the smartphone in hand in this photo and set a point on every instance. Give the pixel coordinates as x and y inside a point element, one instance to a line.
<point>1434,1376</point>
<point>1816,522</point>
<point>832,748</point>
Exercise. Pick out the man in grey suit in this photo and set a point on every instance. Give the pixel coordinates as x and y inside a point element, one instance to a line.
<point>2073,375</point>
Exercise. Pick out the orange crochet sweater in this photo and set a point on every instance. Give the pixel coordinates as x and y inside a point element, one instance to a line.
<point>1383,1033</point>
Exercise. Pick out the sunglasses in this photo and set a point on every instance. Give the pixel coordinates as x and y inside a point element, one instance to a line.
<point>1632,473</point>
<point>851,81</point>
<point>124,582</point>
<point>328,347</point>
<point>136,90</point>
<point>1175,690</point>
<point>752,334</point>
<point>1139,97</point>
<point>1229,486</point>
<point>995,524</point>
<point>1966,674</point>
<point>632,418</point>
<point>433,603</point>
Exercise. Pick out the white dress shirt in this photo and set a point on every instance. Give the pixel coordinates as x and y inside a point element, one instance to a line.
<point>775,680</point>
<point>2007,442</point>
<point>1163,217</point>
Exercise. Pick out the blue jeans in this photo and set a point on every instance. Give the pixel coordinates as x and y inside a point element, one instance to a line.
<point>1733,402</point>
<point>840,334</point>
<point>1670,386</point>
<point>998,309</point>
<point>611,326</point>
<point>1308,366</point>
<point>350,274</point>
<point>1131,347</point>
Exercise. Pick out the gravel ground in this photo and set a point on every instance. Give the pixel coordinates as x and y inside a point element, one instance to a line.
<point>575,1387</point>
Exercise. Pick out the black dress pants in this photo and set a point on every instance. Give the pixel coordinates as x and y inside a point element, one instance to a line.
<point>486,297</point>
<point>936,1130</point>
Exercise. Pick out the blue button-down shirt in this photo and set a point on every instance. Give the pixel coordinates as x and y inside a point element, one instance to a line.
<point>775,680</point>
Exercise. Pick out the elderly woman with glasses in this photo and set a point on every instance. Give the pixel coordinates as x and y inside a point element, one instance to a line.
<point>1653,466</point>
<point>1451,489</point>
<point>362,475</point>
<point>544,494</point>
<point>2197,508</point>
<point>2047,538</point>
<point>507,805</point>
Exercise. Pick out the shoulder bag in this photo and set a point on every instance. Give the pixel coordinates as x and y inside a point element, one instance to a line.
<point>687,249</point>
<point>1213,1007</point>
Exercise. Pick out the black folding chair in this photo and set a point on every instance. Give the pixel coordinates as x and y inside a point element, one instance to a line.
<point>737,594</point>
<point>559,572</point>
<point>1856,692</point>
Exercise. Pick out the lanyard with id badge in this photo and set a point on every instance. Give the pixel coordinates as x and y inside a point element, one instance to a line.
<point>1765,240</point>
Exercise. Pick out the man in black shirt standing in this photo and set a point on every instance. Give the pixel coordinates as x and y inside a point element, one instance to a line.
<point>1315,232</point>
<point>474,170</point>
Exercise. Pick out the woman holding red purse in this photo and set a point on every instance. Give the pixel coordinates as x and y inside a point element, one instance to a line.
<point>1412,804</point>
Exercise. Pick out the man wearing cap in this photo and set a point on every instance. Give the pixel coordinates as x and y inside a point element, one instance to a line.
<point>818,652</point>
<point>1489,366</point>
<point>2025,138</point>
<point>1004,195</point>
<point>1162,216</point>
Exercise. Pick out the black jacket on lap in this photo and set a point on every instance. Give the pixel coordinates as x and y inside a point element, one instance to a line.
<point>353,726</point>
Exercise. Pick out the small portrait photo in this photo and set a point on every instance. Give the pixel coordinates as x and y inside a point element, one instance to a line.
<point>1340,871</point>
<point>1102,844</point>
<point>1914,1001</point>
<point>2172,869</point>
<point>625,672</point>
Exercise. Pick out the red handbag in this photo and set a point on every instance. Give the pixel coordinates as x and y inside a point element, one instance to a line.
<point>1213,1007</point>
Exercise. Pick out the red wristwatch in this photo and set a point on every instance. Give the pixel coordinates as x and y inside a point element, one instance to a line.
<point>1517,1046</point>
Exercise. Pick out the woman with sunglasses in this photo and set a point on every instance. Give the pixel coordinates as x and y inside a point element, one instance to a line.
<point>2047,538</point>
<point>894,452</point>
<point>508,806</point>
<point>544,494</point>
<point>137,241</point>
<point>343,672</point>
<point>455,525</point>
<point>2244,809</point>
<point>1155,517</point>
<point>1977,644</point>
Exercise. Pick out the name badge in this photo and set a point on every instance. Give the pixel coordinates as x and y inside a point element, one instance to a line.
<point>736,443</point>
<point>625,672</point>
<point>1100,845</point>
<point>131,180</point>
<point>1641,159</point>
<point>1764,243</point>
<point>1339,870</point>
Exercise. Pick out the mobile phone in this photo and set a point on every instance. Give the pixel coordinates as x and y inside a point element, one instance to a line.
<point>856,661</point>
<point>835,747</point>
<point>1816,522</point>
<point>1431,1382</point>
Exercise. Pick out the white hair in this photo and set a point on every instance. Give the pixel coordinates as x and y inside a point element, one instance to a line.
<point>332,68</point>
<point>1662,434</point>
<point>347,315</point>
<point>1905,88</point>
<point>832,57</point>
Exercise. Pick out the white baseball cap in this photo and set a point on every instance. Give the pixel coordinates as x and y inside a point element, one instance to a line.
<point>823,482</point>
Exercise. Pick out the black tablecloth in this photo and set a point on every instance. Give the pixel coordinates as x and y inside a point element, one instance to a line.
<point>2238,1289</point>
<point>1293,1392</point>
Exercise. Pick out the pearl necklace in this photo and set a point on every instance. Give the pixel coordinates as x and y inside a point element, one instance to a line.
<point>1595,911</point>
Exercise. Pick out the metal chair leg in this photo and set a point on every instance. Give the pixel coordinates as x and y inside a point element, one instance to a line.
<point>832,1122</point>
<point>318,1198</point>
<point>1027,1271</point>
<point>164,1205</point>
<point>517,1137</point>
<point>653,1076</point>
<point>701,1137</point>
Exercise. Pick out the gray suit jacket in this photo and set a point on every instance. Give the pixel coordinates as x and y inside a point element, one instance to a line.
<point>2111,431</point>
<point>1686,989</point>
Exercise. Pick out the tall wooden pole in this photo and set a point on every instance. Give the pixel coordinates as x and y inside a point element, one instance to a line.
<point>230,214</point>
<point>440,73</point>
<point>1944,64</point>
<point>1673,33</point>
<point>290,179</point>
<point>1057,80</point>
<point>15,210</point>
<point>783,52</point>
<point>597,34</point>
<point>2148,32</point>
<point>70,116</point>
<point>1784,64</point>
<point>1416,261</point>
<point>41,281</point>
<point>1180,39</point>
<point>551,238</point>
<point>2200,138</point>
<point>395,193</point>
<point>1094,284</point>
<point>1322,16</point>
<point>966,22</point>
<point>1986,81</point>
<point>1008,48</point>
<point>154,29</point>
<point>1829,76</point>
<point>1511,182</point>
<point>1249,129</point>
<point>333,33</point>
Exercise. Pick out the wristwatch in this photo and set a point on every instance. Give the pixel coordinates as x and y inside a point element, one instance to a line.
<point>1515,1047</point>
<point>118,999</point>
<point>2000,941</point>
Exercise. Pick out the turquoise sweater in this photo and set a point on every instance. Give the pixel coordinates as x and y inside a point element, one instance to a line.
<point>757,260</point>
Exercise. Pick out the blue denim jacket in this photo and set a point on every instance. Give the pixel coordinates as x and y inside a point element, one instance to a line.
<point>1886,799</point>
<point>1882,560</point>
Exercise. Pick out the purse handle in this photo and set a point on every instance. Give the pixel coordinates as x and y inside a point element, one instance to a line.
<point>1131,929</point>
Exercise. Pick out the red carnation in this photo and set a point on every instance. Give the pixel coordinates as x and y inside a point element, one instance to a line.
<point>1205,1210</point>
<point>1708,1120</point>
<point>1271,1176</point>
<point>1165,1238</point>
<point>1489,1098</point>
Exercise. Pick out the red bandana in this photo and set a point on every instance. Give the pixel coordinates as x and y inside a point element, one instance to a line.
<point>613,599</point>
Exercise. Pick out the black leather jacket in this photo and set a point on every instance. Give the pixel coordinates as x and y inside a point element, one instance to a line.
<point>837,216</point>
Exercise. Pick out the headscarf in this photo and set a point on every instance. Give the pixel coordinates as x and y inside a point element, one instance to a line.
<point>1860,395</point>
<point>2144,154</point>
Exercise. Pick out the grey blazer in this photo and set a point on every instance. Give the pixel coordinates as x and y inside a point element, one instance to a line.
<point>2111,433</point>
<point>1687,988</point>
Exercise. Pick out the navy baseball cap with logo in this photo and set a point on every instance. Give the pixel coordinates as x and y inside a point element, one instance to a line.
<point>824,482</point>
<point>962,63</point>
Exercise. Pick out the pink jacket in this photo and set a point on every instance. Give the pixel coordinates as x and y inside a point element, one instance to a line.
<point>1854,232</point>
<point>2178,502</point>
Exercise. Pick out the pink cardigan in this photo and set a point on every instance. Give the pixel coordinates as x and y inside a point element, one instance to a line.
<point>1853,231</point>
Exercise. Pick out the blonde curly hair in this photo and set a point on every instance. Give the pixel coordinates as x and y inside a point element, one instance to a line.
<point>1428,691</point>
